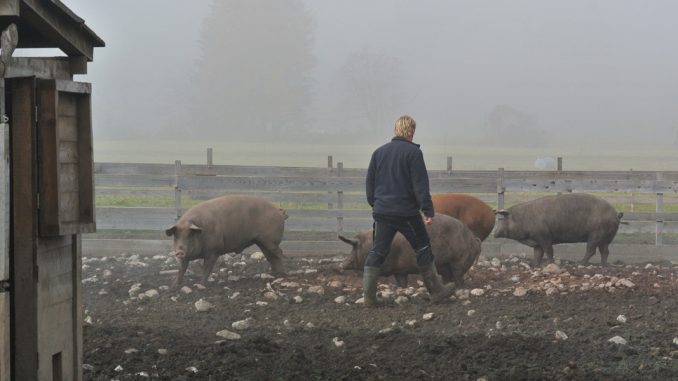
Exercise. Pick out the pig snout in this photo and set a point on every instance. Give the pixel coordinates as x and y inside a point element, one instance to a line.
<point>180,254</point>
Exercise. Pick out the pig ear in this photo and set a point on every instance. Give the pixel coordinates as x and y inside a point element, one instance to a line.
<point>352,242</point>
<point>170,231</point>
<point>195,227</point>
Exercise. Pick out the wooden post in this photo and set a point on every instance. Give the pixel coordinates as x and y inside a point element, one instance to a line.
<point>633,198</point>
<point>560,169</point>
<point>4,238</point>
<point>660,209</point>
<point>330,205</point>
<point>177,189</point>
<point>500,189</point>
<point>209,157</point>
<point>449,165</point>
<point>340,201</point>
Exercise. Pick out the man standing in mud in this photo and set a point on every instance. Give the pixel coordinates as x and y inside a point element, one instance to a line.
<point>398,192</point>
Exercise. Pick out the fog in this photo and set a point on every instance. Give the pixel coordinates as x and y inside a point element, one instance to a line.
<point>575,77</point>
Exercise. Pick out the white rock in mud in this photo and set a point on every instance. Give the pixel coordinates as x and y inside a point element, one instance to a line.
<point>625,283</point>
<point>387,294</point>
<point>266,276</point>
<point>310,325</point>
<point>428,316</point>
<point>107,274</point>
<point>360,301</point>
<point>186,290</point>
<point>551,268</point>
<point>621,319</point>
<point>242,325</point>
<point>203,305</point>
<point>402,299</point>
<point>499,325</point>
<point>470,313</point>
<point>92,279</point>
<point>152,293</point>
<point>649,266</point>
<point>515,278</point>
<point>520,291</point>
<point>228,335</point>
<point>462,294</point>
<point>168,272</point>
<point>235,295</point>
<point>385,331</point>
<point>103,292</point>
<point>551,291</point>
<point>478,292</point>
<point>290,284</point>
<point>88,320</point>
<point>134,291</point>
<point>164,288</point>
<point>162,351</point>
<point>618,340</point>
<point>118,369</point>
<point>337,342</point>
<point>317,290</point>
<point>199,286</point>
<point>137,264</point>
<point>192,369</point>
<point>310,271</point>
<point>411,323</point>
<point>269,295</point>
<point>560,335</point>
<point>340,299</point>
<point>130,351</point>
<point>336,284</point>
<point>257,256</point>
<point>495,262</point>
<point>298,299</point>
<point>675,341</point>
<point>261,304</point>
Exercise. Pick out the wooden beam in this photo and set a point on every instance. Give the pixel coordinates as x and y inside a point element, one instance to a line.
<point>9,8</point>
<point>64,32</point>
<point>4,239</point>
<point>24,227</point>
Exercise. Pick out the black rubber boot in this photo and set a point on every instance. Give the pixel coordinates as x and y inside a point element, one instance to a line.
<point>438,290</point>
<point>370,278</point>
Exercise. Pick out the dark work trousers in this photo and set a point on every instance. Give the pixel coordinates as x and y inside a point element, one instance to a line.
<point>385,229</point>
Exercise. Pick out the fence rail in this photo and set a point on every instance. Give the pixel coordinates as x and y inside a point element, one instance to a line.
<point>340,191</point>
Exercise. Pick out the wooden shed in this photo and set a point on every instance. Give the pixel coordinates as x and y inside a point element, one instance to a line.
<point>46,189</point>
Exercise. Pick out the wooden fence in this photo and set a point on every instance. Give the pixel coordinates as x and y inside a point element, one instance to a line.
<point>331,199</point>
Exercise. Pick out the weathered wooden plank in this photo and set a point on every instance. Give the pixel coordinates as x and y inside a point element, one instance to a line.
<point>4,200</point>
<point>68,152</point>
<point>69,207</point>
<point>24,191</point>
<point>69,180</point>
<point>591,185</point>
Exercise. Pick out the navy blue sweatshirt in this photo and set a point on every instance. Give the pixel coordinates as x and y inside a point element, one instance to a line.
<point>397,180</point>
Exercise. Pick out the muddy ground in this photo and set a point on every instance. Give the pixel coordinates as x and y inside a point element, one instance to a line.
<point>559,329</point>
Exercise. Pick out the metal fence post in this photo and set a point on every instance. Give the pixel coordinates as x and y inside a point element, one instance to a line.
<point>340,201</point>
<point>449,165</point>
<point>177,187</point>
<point>330,205</point>
<point>660,209</point>
<point>500,189</point>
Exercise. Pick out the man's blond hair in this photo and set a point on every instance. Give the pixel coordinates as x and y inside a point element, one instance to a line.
<point>405,126</point>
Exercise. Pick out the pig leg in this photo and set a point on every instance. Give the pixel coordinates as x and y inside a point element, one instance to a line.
<point>446,272</point>
<point>183,266</point>
<point>548,249</point>
<point>590,250</point>
<point>207,266</point>
<point>604,252</point>
<point>538,255</point>
<point>274,256</point>
<point>401,280</point>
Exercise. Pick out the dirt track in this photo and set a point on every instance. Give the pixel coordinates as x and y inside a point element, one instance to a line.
<point>506,337</point>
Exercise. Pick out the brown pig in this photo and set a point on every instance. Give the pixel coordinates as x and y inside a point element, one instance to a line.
<point>472,211</point>
<point>455,249</point>
<point>228,224</point>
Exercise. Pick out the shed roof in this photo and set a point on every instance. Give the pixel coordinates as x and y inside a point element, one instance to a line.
<point>49,24</point>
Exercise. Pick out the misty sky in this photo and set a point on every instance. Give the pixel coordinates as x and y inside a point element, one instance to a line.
<point>579,70</point>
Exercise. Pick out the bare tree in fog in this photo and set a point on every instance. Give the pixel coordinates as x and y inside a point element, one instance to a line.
<point>371,82</point>
<point>254,73</point>
<point>507,125</point>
